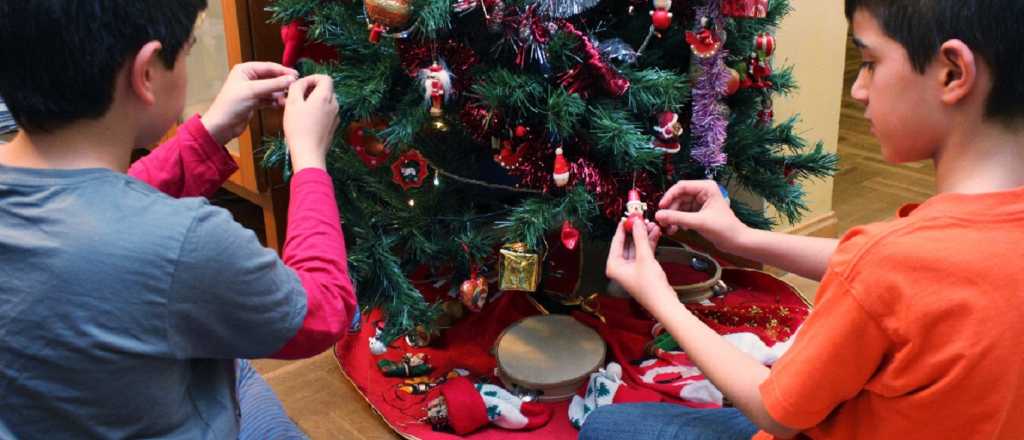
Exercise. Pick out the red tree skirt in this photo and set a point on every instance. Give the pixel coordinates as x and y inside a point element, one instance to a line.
<point>468,345</point>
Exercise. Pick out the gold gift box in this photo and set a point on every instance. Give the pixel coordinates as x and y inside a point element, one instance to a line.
<point>519,268</point>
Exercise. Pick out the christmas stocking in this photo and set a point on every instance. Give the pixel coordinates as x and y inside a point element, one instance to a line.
<point>466,407</point>
<point>605,388</point>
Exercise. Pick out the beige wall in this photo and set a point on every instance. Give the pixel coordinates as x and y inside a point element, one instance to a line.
<point>813,40</point>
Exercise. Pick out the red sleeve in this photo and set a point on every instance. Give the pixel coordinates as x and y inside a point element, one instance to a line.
<point>190,164</point>
<point>315,249</point>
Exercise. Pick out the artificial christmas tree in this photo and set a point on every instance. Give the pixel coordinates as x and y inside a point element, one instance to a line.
<point>535,117</point>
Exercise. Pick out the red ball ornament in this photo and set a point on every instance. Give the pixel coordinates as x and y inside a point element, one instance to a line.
<point>661,20</point>
<point>733,85</point>
<point>521,131</point>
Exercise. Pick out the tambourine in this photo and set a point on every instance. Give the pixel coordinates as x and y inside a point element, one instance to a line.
<point>547,357</point>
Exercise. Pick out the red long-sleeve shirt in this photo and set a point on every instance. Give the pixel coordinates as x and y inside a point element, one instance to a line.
<point>192,164</point>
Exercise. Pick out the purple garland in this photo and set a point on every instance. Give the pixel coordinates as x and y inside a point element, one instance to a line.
<point>710,120</point>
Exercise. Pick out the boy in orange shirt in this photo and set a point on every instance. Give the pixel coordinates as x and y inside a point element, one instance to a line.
<point>915,331</point>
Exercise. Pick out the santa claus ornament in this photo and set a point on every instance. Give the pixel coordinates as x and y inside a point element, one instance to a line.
<point>661,16</point>
<point>561,170</point>
<point>745,8</point>
<point>634,211</point>
<point>667,132</point>
<point>437,87</point>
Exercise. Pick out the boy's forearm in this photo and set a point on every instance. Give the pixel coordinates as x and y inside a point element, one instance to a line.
<point>737,375</point>
<point>802,255</point>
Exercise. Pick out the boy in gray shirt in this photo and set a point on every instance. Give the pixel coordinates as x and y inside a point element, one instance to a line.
<point>122,308</point>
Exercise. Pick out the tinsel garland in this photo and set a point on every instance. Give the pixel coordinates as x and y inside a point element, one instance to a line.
<point>576,82</point>
<point>710,116</point>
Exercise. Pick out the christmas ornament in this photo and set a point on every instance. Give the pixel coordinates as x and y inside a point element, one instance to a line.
<point>423,384</point>
<point>410,365</point>
<point>377,346</point>
<point>561,169</point>
<point>509,156</point>
<point>635,210</point>
<point>437,87</point>
<point>493,10</point>
<point>735,80</point>
<point>521,131</point>
<point>410,170</point>
<point>661,16</point>
<point>667,132</point>
<point>745,8</point>
<point>474,292</point>
<point>764,44</point>
<point>384,14</point>
<point>758,64</point>
<point>706,42</point>
<point>766,116</point>
<point>368,147</point>
<point>570,235</point>
<point>465,407</point>
<point>519,268</point>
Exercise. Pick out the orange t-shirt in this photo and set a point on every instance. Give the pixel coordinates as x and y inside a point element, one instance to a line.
<point>917,330</point>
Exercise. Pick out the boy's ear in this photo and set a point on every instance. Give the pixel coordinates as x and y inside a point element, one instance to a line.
<point>958,71</point>
<point>141,75</point>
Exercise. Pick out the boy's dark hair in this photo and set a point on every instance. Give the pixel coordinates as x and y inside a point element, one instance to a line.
<point>991,28</point>
<point>61,57</point>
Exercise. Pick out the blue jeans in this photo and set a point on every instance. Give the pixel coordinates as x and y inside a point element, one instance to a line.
<point>650,421</point>
<point>263,417</point>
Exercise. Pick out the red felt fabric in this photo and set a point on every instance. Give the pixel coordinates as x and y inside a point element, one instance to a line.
<point>468,345</point>
<point>467,411</point>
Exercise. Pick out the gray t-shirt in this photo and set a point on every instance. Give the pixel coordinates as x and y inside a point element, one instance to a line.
<point>122,309</point>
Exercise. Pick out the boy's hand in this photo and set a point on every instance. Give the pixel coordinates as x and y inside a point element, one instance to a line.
<point>248,87</point>
<point>310,118</point>
<point>631,263</point>
<point>699,205</point>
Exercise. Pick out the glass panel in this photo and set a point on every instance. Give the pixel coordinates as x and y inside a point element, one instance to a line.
<point>208,64</point>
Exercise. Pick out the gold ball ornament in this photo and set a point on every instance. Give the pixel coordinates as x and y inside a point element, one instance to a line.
<point>390,13</point>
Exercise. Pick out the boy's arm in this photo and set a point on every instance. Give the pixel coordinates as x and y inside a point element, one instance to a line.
<point>194,162</point>
<point>190,164</point>
<point>802,255</point>
<point>315,250</point>
<point>839,338</point>
<point>699,205</point>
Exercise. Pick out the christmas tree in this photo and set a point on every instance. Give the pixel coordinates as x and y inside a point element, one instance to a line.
<point>474,125</point>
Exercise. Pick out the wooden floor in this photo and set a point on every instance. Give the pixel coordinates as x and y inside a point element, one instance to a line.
<point>867,189</point>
